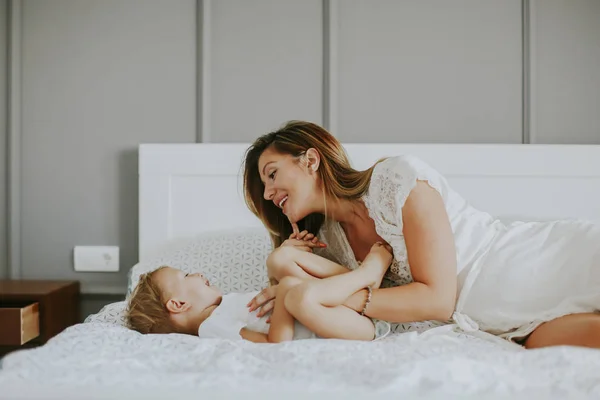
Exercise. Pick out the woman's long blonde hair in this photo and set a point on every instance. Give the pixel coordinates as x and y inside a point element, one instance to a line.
<point>339,180</point>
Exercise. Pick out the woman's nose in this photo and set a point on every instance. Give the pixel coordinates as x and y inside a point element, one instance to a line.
<point>269,192</point>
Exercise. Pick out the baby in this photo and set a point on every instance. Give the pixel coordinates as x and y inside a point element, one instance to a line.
<point>169,300</point>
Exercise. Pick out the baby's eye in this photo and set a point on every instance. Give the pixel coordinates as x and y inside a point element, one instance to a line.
<point>272,175</point>
<point>186,275</point>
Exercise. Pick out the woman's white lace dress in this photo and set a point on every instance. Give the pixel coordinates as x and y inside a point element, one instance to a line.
<point>511,277</point>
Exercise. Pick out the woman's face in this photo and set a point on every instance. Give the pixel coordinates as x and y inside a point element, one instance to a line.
<point>292,184</point>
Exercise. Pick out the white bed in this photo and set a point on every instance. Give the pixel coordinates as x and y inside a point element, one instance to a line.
<point>192,215</point>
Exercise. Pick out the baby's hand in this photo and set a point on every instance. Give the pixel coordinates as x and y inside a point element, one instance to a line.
<point>304,241</point>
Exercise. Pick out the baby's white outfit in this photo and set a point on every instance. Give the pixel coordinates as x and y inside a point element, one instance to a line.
<point>232,315</point>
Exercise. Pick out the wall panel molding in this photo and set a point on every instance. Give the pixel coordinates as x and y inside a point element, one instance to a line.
<point>330,65</point>
<point>529,70</point>
<point>14,139</point>
<point>203,67</point>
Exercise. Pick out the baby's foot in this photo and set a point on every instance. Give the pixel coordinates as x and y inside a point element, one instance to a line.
<point>377,262</point>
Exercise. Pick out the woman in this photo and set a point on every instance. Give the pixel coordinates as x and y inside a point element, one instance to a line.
<point>535,283</point>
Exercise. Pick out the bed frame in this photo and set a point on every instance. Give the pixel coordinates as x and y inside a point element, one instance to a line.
<point>186,189</point>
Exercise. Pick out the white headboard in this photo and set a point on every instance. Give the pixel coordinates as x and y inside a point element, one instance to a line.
<point>186,189</point>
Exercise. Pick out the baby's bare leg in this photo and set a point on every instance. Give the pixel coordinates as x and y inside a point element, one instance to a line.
<point>282,322</point>
<point>318,304</point>
<point>289,261</point>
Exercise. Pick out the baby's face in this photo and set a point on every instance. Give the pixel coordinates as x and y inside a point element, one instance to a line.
<point>193,289</point>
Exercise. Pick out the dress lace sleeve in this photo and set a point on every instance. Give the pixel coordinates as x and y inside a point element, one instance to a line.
<point>391,184</point>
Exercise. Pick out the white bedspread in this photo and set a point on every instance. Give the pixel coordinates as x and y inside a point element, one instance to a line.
<point>112,358</point>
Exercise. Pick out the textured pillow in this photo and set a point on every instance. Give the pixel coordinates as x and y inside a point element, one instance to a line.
<point>233,261</point>
<point>113,313</point>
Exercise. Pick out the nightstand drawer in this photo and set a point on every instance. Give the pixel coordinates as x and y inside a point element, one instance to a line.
<point>19,324</point>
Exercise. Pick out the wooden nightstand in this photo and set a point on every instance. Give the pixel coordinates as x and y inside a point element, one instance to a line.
<point>32,312</point>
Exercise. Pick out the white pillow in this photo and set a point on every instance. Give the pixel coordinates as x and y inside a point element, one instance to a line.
<point>113,313</point>
<point>233,261</point>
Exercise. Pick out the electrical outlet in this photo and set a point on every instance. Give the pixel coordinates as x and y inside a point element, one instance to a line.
<point>96,258</point>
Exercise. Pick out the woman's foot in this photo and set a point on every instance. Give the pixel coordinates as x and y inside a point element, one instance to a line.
<point>377,263</point>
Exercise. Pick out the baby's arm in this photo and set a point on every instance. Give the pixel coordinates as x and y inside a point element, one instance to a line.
<point>256,337</point>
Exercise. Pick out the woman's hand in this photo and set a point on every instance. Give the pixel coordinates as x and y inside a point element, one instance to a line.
<point>265,300</point>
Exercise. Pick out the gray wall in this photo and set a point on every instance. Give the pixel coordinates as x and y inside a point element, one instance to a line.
<point>432,71</point>
<point>3,137</point>
<point>101,76</point>
<point>265,66</point>
<point>98,78</point>
<point>566,74</point>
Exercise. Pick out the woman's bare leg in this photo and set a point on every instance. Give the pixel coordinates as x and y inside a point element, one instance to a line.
<point>318,304</point>
<point>282,322</point>
<point>571,330</point>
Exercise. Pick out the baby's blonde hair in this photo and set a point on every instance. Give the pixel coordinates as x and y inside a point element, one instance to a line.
<point>146,311</point>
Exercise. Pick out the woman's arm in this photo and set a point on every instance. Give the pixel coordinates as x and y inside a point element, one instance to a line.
<point>408,303</point>
<point>432,258</point>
